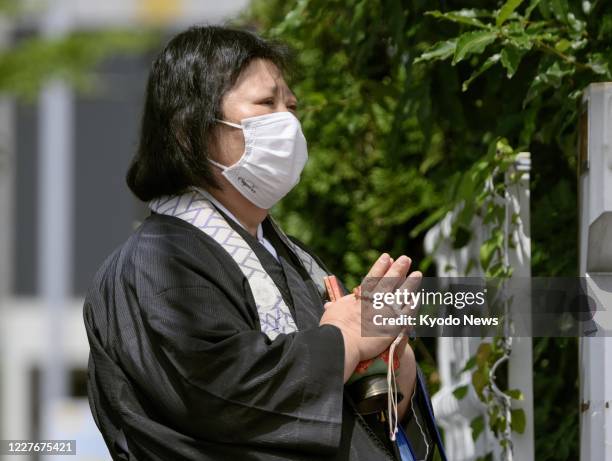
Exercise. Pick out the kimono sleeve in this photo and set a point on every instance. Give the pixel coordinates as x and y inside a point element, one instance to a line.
<point>210,376</point>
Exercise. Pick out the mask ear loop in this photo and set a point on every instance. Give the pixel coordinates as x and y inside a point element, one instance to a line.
<point>217,164</point>
<point>235,125</point>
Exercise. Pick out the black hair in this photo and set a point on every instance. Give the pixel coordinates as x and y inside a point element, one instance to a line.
<point>183,97</point>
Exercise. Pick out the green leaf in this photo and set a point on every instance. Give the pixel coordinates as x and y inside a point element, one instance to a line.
<point>471,265</point>
<point>461,236</point>
<point>482,354</point>
<point>473,42</point>
<point>518,421</point>
<point>562,45</point>
<point>530,8</point>
<point>575,23</point>
<point>598,65</point>
<point>433,218</point>
<point>464,16</point>
<point>487,250</point>
<point>479,381</point>
<point>510,59</point>
<point>485,66</point>
<point>520,37</point>
<point>466,188</point>
<point>461,392</point>
<point>559,9</point>
<point>440,51</point>
<point>471,363</point>
<point>506,11</point>
<point>477,425</point>
<point>515,394</point>
<point>551,77</point>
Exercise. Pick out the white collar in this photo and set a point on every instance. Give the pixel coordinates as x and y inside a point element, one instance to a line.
<point>260,236</point>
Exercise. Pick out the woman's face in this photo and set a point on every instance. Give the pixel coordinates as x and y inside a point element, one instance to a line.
<point>260,89</point>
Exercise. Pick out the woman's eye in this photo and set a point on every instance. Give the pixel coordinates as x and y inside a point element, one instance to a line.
<point>268,102</point>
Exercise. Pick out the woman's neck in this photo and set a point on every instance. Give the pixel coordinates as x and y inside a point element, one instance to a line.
<point>249,215</point>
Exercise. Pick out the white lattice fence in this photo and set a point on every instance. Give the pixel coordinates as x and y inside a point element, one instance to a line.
<point>455,415</point>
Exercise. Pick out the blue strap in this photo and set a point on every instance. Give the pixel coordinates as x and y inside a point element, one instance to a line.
<point>403,445</point>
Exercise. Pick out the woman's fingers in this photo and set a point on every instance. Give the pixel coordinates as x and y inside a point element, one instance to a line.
<point>394,275</point>
<point>400,267</point>
<point>380,267</point>
<point>411,285</point>
<point>387,274</point>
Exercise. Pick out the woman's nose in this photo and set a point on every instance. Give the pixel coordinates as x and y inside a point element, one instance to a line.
<point>281,107</point>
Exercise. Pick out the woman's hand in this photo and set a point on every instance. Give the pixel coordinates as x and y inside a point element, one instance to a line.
<point>345,313</point>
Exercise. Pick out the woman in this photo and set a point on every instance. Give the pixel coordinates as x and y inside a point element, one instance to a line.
<point>208,332</point>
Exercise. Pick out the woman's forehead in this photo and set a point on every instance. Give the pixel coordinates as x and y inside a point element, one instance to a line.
<point>261,74</point>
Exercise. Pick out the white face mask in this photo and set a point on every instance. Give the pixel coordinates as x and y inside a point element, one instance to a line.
<point>274,156</point>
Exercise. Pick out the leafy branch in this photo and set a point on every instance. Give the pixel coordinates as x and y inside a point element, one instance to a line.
<point>513,35</point>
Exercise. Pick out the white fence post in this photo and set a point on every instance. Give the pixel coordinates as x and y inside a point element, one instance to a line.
<point>520,364</point>
<point>595,214</point>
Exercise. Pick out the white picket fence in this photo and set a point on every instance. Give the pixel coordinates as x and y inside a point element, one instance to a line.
<point>595,264</point>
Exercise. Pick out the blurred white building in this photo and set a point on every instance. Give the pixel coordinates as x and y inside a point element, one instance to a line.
<point>64,207</point>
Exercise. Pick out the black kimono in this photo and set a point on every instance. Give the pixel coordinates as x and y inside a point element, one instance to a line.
<point>179,369</point>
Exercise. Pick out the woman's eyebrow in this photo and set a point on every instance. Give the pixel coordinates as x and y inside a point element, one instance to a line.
<point>258,91</point>
<point>275,89</point>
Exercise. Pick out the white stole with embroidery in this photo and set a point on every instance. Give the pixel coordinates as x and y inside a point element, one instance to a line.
<point>274,316</point>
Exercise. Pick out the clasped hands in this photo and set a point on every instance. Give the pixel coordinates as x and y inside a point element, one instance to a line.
<point>365,341</point>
